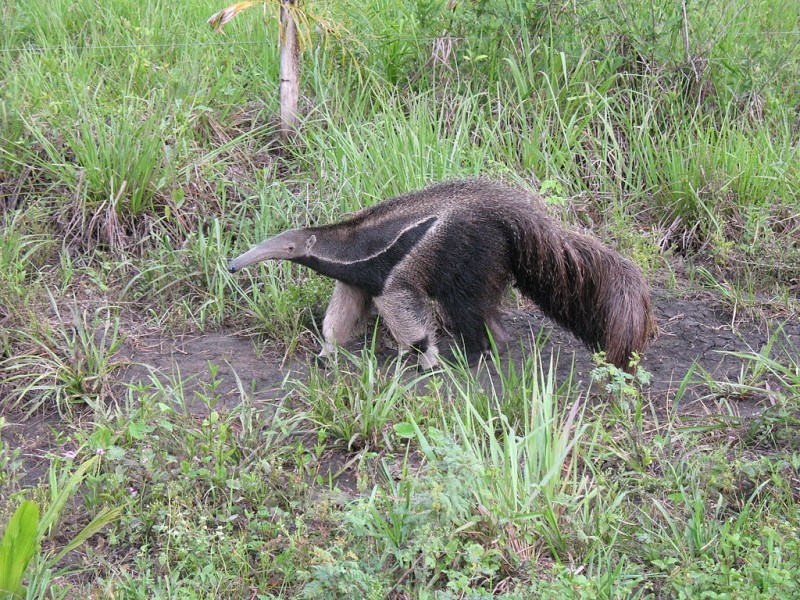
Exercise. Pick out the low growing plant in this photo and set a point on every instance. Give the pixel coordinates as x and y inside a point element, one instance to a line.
<point>68,362</point>
<point>17,548</point>
<point>25,531</point>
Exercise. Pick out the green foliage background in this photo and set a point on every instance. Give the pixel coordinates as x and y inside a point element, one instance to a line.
<point>138,152</point>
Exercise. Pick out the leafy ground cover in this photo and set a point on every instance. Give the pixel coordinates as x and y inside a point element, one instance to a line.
<point>163,415</point>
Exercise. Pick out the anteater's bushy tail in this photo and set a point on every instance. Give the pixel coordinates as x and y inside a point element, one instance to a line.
<point>584,286</point>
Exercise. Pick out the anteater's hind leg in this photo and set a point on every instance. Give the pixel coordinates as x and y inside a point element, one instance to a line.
<point>408,315</point>
<point>467,318</point>
<point>471,275</point>
<point>467,325</point>
<point>347,312</point>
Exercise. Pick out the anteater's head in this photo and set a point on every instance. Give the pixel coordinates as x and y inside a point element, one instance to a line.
<point>289,245</point>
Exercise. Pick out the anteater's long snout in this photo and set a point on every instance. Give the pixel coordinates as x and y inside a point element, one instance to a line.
<point>240,262</point>
<point>280,247</point>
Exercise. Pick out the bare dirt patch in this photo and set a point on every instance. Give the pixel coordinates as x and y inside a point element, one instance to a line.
<point>691,331</point>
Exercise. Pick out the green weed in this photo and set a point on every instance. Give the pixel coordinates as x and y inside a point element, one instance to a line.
<point>356,399</point>
<point>21,544</point>
<point>18,547</point>
<point>71,362</point>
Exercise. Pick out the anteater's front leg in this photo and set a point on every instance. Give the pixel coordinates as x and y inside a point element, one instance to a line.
<point>408,315</point>
<point>347,312</point>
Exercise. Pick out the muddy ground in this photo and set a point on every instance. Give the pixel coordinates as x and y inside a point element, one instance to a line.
<point>691,331</point>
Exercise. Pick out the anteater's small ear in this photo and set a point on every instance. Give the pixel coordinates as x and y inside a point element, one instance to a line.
<point>310,242</point>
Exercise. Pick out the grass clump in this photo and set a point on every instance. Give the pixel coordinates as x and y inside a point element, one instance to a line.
<point>356,399</point>
<point>69,362</point>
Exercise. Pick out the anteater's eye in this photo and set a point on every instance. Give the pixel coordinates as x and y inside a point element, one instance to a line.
<point>290,247</point>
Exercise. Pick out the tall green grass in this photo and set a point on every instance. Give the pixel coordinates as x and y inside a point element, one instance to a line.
<point>132,116</point>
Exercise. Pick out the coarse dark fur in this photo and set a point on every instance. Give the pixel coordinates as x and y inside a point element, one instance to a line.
<point>460,244</point>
